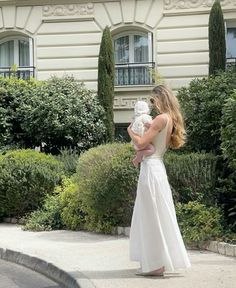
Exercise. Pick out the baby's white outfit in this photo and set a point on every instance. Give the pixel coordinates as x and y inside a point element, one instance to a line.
<point>141,111</point>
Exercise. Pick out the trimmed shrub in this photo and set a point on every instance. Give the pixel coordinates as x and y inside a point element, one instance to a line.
<point>26,177</point>
<point>192,177</point>
<point>107,186</point>
<point>202,102</point>
<point>198,223</point>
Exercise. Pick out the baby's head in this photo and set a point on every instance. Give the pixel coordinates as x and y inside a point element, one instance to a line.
<point>141,107</point>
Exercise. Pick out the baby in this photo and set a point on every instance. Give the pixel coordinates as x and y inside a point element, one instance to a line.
<point>141,117</point>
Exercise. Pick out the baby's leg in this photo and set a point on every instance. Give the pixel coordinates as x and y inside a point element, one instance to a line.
<point>148,150</point>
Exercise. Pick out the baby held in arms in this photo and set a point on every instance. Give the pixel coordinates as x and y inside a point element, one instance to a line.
<point>142,120</point>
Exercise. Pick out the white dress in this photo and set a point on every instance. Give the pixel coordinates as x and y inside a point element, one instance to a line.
<point>155,238</point>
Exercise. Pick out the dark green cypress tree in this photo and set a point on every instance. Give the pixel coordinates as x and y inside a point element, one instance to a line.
<point>106,72</point>
<point>217,45</point>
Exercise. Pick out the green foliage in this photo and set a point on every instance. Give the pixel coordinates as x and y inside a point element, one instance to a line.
<point>202,103</point>
<point>69,159</point>
<point>217,45</point>
<point>63,113</point>
<point>228,130</point>
<point>192,177</point>
<point>12,91</point>
<point>60,112</point>
<point>26,177</point>
<point>106,72</point>
<point>198,223</point>
<point>48,217</point>
<point>72,215</point>
<point>107,186</point>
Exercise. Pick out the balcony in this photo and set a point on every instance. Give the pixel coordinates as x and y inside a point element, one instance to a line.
<point>134,74</point>
<point>21,72</point>
<point>231,63</point>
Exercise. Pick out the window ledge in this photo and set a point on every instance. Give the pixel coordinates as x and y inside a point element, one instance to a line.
<point>134,88</point>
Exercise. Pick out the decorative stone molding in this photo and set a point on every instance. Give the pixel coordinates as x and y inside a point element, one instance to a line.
<point>68,11</point>
<point>191,4</point>
<point>124,102</point>
<point>178,7</point>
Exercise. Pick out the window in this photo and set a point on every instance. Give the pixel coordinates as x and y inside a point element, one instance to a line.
<point>133,58</point>
<point>231,48</point>
<point>231,43</point>
<point>16,52</point>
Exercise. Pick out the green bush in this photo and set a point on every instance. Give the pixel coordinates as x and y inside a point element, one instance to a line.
<point>72,215</point>
<point>198,223</point>
<point>69,159</point>
<point>228,130</point>
<point>47,218</point>
<point>202,102</point>
<point>63,113</point>
<point>12,93</point>
<point>192,177</point>
<point>59,112</point>
<point>107,186</point>
<point>26,177</point>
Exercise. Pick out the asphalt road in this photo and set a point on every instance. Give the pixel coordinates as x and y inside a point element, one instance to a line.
<point>16,276</point>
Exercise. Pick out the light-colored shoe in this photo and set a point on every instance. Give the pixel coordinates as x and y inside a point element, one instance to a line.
<point>155,273</point>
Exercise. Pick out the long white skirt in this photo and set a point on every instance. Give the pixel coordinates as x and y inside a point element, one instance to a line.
<point>155,238</point>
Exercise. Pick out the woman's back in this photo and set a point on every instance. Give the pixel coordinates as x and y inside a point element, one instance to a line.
<point>161,140</point>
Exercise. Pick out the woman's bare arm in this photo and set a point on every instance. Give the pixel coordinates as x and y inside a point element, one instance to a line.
<point>157,125</point>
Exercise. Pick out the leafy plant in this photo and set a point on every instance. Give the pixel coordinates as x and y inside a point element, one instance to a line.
<point>63,113</point>
<point>199,223</point>
<point>47,218</point>
<point>202,102</point>
<point>228,130</point>
<point>192,177</point>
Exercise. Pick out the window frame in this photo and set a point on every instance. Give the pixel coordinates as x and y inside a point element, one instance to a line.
<point>131,35</point>
<point>16,39</point>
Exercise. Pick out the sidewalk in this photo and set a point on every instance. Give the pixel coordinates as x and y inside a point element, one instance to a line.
<point>102,261</point>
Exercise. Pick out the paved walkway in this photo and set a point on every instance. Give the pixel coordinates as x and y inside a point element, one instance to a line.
<point>104,260</point>
<point>16,276</point>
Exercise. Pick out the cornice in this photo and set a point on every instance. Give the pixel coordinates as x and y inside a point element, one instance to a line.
<point>48,2</point>
<point>178,7</point>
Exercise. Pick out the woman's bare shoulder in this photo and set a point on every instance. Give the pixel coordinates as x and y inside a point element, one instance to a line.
<point>159,121</point>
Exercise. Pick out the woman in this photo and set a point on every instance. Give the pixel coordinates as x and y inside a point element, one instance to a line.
<point>155,239</point>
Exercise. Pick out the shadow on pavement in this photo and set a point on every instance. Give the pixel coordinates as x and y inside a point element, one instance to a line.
<point>116,274</point>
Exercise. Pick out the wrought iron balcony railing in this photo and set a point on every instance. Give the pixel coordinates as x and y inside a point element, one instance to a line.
<point>231,63</point>
<point>134,74</point>
<point>21,72</point>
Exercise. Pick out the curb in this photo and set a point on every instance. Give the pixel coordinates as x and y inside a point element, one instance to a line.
<point>222,248</point>
<point>47,269</point>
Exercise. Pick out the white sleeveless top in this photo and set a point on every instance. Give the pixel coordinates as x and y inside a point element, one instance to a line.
<point>159,142</point>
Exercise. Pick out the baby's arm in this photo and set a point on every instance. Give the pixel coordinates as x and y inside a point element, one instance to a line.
<point>147,121</point>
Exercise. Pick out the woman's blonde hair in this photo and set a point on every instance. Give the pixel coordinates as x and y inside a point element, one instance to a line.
<point>165,101</point>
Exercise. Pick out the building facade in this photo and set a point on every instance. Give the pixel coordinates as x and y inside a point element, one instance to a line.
<point>41,38</point>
